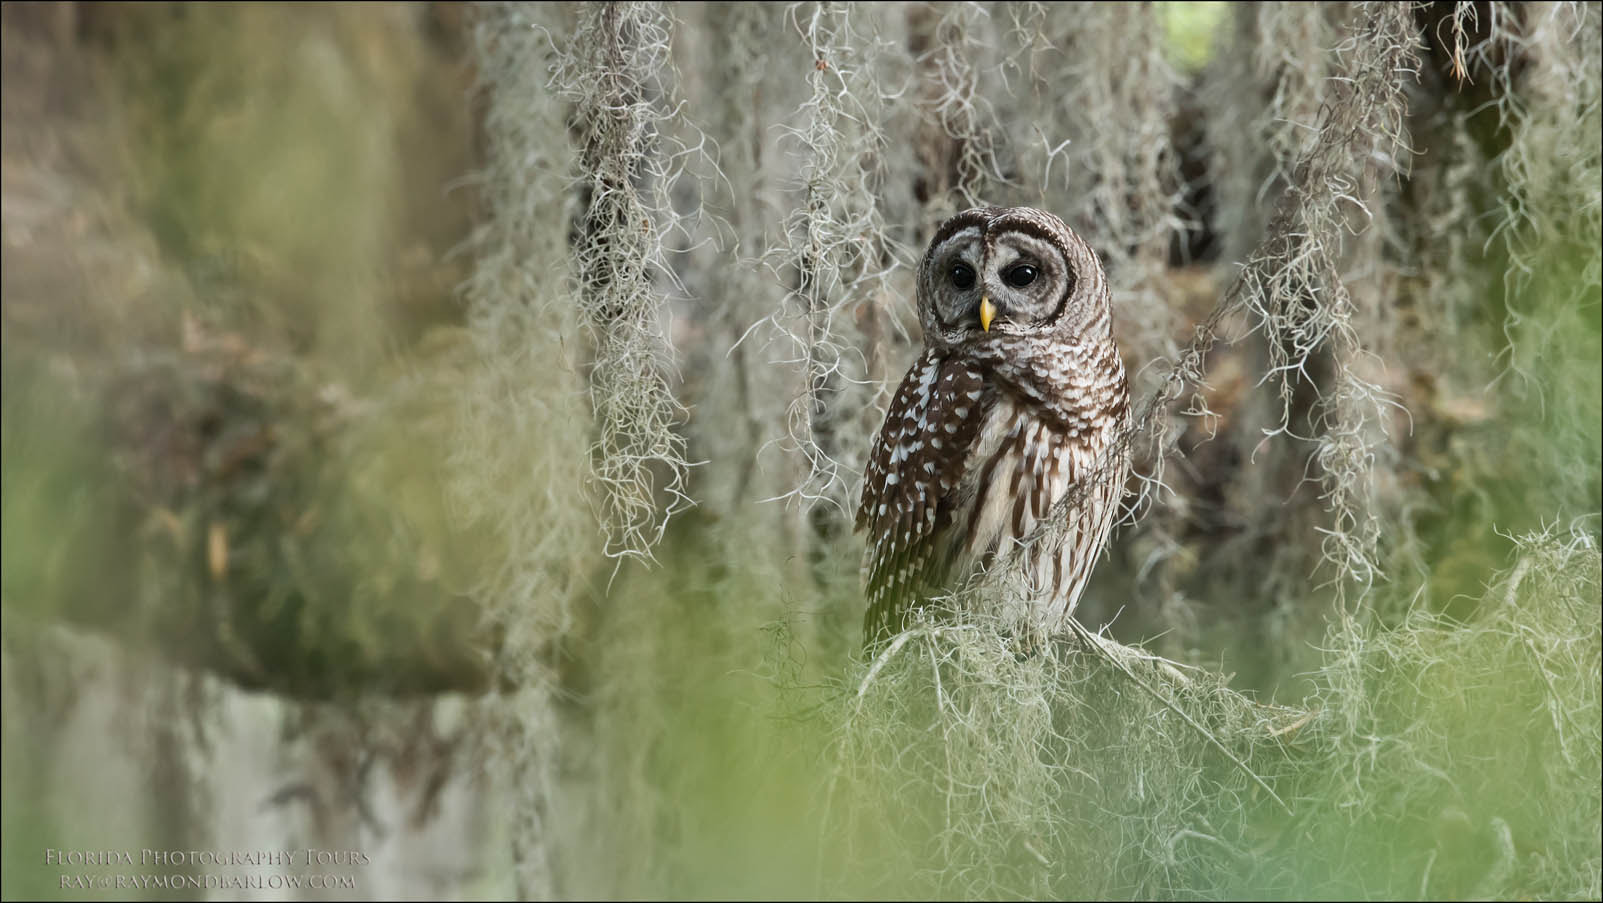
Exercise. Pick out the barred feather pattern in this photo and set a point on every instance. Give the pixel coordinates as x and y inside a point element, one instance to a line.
<point>1003,445</point>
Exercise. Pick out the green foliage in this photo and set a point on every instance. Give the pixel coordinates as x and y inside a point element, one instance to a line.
<point>59,501</point>
<point>1190,29</point>
<point>1461,759</point>
<point>210,418</point>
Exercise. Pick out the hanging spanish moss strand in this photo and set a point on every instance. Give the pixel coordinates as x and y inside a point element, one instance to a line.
<point>1366,141</point>
<point>833,257</point>
<point>614,69</point>
<point>959,141</point>
<point>513,475</point>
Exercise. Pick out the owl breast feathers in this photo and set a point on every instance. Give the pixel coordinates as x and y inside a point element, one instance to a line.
<point>1006,442</point>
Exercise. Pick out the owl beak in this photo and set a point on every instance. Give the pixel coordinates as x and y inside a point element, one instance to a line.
<point>987,312</point>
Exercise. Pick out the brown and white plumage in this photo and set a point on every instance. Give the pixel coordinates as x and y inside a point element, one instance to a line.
<point>1015,413</point>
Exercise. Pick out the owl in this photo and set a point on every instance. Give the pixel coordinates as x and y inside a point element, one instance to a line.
<point>1018,403</point>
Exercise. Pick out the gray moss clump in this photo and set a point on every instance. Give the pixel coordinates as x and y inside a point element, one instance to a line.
<point>614,69</point>
<point>1433,758</point>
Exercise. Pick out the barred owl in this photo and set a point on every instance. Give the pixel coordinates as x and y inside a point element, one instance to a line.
<point>1017,403</point>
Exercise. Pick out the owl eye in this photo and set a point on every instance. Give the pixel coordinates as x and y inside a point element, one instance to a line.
<point>962,275</point>
<point>1020,276</point>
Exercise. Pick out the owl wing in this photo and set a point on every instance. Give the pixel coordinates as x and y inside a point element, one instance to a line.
<point>914,469</point>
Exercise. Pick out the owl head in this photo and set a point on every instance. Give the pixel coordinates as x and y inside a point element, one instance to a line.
<point>994,273</point>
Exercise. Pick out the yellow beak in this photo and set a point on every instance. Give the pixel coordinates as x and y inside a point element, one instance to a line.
<point>987,312</point>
